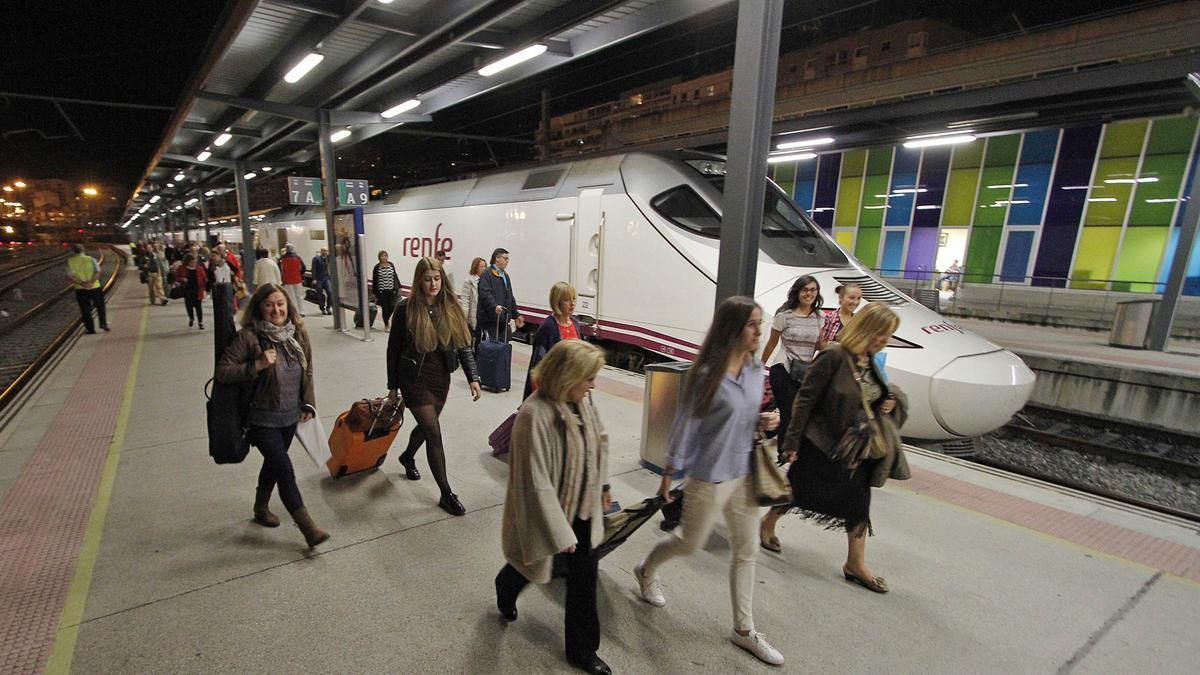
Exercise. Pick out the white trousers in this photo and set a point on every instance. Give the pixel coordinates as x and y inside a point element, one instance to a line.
<point>702,503</point>
<point>297,293</point>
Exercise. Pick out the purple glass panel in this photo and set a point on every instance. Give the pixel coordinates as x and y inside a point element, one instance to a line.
<point>934,171</point>
<point>827,185</point>
<point>1076,156</point>
<point>922,250</point>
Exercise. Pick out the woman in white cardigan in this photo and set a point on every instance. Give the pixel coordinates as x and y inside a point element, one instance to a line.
<point>557,494</point>
<point>469,298</point>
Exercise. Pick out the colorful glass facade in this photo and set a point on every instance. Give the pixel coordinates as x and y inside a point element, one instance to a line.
<point>1091,207</point>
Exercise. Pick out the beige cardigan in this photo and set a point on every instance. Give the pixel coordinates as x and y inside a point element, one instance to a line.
<point>544,492</point>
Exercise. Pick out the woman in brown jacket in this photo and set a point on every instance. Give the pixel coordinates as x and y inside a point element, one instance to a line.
<point>557,494</point>
<point>272,350</point>
<point>826,486</point>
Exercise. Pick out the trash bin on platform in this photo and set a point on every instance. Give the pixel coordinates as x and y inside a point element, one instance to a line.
<point>664,394</point>
<point>1131,325</point>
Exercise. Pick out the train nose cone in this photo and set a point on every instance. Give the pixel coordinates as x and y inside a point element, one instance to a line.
<point>973,395</point>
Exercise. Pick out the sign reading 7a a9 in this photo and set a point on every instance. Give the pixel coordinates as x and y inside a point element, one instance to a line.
<point>304,191</point>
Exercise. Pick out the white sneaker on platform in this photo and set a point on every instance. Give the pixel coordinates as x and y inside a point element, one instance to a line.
<point>756,643</point>
<point>649,589</point>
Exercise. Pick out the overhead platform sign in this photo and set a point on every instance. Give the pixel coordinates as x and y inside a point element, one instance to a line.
<point>307,192</point>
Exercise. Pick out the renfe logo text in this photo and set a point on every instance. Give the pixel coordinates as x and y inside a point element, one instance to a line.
<point>942,328</point>
<point>424,247</point>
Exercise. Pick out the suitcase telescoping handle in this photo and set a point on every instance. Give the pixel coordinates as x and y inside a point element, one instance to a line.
<point>505,315</point>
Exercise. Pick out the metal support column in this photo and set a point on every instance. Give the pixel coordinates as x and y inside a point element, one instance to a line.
<point>329,192</point>
<point>204,216</point>
<point>183,218</point>
<point>1160,323</point>
<point>243,201</point>
<point>755,61</point>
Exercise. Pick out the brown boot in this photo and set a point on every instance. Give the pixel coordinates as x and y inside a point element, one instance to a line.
<point>262,513</point>
<point>312,534</point>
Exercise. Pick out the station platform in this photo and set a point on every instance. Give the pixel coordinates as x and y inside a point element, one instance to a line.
<point>124,549</point>
<point>1078,370</point>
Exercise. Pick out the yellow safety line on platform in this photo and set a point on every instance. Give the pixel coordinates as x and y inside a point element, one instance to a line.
<point>63,650</point>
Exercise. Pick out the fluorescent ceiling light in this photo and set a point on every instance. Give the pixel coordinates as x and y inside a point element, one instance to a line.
<point>1075,187</point>
<point>511,60</point>
<point>154,199</point>
<point>249,175</point>
<point>210,193</point>
<point>806,143</point>
<point>385,2</point>
<point>191,201</point>
<point>203,156</point>
<point>1167,200</point>
<point>1103,199</point>
<point>877,207</point>
<point>791,157</point>
<point>340,134</point>
<point>170,185</point>
<point>1130,181</point>
<point>391,112</point>
<point>908,191</point>
<point>266,169</point>
<point>931,141</point>
<point>928,207</point>
<point>301,69</point>
<point>222,139</point>
<point>179,176</point>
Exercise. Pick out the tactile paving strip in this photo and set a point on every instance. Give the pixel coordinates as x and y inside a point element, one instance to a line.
<point>45,512</point>
<point>1114,540</point>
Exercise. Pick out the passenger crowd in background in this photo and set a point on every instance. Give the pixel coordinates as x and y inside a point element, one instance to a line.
<point>826,405</point>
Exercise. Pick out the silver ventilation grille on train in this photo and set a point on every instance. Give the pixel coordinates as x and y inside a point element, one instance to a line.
<point>873,291</point>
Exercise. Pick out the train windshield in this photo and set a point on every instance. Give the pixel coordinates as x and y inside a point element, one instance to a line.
<point>787,236</point>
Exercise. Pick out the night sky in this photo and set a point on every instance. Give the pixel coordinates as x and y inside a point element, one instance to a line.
<point>142,52</point>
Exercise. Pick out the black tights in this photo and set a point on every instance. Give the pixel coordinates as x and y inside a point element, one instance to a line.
<point>429,432</point>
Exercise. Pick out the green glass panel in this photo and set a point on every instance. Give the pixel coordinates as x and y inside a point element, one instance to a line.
<point>968,155</point>
<point>960,197</point>
<point>1097,250</point>
<point>874,206</point>
<point>1002,150</point>
<point>845,238</point>
<point>866,249</point>
<point>1154,203</point>
<point>785,177</point>
<point>853,163</point>
<point>879,160</point>
<point>1141,253</point>
<point>981,253</point>
<point>1124,139</point>
<point>1171,135</point>
<point>1108,201</point>
<point>849,193</point>
<point>995,191</point>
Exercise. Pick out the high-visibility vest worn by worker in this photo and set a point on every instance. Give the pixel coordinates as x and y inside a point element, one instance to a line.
<point>83,266</point>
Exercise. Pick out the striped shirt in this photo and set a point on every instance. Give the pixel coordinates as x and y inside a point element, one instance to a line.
<point>387,278</point>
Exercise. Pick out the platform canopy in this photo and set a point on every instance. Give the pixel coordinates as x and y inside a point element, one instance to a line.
<point>250,103</point>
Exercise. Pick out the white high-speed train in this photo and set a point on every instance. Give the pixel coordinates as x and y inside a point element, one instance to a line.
<point>637,235</point>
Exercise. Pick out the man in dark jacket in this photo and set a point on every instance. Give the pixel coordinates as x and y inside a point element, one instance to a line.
<point>497,304</point>
<point>320,272</point>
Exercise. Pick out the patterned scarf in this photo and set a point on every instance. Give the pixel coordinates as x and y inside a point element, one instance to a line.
<point>284,335</point>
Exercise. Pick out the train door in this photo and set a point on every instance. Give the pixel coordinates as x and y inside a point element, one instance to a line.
<point>585,251</point>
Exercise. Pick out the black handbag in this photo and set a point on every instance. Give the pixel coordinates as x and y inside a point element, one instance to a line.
<point>177,291</point>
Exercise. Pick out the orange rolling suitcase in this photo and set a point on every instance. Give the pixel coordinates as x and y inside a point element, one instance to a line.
<point>353,451</point>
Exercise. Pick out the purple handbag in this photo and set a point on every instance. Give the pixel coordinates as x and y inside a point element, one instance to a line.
<point>501,438</point>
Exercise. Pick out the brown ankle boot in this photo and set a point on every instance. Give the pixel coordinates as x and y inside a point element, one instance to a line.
<point>312,534</point>
<point>262,513</point>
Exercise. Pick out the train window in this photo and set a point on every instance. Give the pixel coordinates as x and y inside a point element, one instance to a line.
<point>686,209</point>
<point>542,179</point>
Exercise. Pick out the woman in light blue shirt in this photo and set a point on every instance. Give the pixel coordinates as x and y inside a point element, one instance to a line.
<point>712,442</point>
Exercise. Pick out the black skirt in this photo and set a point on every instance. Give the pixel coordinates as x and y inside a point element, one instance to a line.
<point>432,384</point>
<point>828,492</point>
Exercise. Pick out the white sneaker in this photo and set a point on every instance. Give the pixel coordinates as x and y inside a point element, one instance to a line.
<point>756,643</point>
<point>649,589</point>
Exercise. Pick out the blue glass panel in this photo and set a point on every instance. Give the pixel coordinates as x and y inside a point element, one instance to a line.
<point>893,253</point>
<point>1191,285</point>
<point>828,168</point>
<point>806,184</point>
<point>934,171</point>
<point>1076,156</point>
<point>1016,256</point>
<point>904,179</point>
<point>1033,178</point>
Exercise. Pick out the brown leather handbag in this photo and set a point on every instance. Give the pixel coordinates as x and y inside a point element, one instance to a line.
<point>375,416</point>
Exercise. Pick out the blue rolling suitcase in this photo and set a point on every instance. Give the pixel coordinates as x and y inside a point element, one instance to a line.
<point>494,359</point>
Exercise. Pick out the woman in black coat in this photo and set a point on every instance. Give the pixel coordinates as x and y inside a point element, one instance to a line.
<point>560,325</point>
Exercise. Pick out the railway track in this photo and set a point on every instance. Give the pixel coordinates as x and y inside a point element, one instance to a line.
<point>1123,448</point>
<point>34,337</point>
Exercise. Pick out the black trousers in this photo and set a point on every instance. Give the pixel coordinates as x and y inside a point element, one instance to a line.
<point>784,389</point>
<point>582,625</point>
<point>195,308</point>
<point>88,298</point>
<point>273,443</point>
<point>387,303</point>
